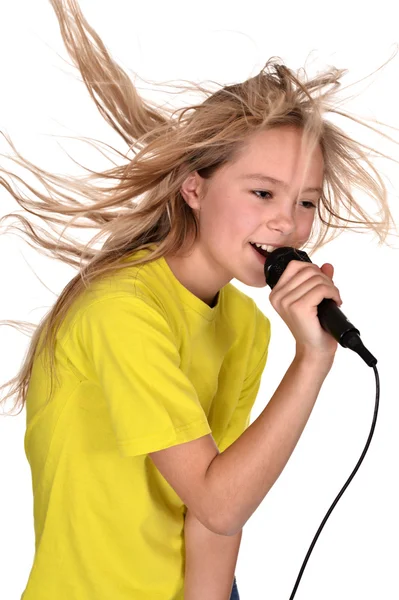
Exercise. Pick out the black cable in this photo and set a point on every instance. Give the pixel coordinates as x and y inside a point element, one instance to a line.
<point>345,486</point>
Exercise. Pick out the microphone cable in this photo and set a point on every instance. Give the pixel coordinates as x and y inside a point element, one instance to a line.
<point>312,545</point>
<point>333,320</point>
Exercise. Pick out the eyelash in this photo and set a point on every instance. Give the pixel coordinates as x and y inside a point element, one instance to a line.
<point>271,195</point>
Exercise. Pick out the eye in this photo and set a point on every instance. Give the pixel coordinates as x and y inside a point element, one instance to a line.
<point>311,205</point>
<point>270,195</point>
<point>262,192</point>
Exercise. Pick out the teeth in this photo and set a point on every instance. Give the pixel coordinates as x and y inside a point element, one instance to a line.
<point>265,247</point>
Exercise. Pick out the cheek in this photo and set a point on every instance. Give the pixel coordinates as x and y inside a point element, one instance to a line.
<point>245,214</point>
<point>305,227</point>
<point>216,220</point>
<point>226,215</point>
<point>223,215</point>
<point>249,219</point>
<point>242,221</point>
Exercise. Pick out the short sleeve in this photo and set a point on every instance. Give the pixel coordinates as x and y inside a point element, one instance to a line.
<point>240,420</point>
<point>134,357</point>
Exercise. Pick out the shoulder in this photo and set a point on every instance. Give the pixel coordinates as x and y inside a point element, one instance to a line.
<point>119,295</point>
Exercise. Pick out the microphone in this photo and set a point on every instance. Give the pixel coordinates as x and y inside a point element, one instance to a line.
<point>331,318</point>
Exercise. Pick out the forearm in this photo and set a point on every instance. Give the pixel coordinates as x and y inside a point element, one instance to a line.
<point>240,477</point>
<point>210,561</point>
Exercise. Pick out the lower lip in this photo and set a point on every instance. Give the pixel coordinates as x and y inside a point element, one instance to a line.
<point>261,258</point>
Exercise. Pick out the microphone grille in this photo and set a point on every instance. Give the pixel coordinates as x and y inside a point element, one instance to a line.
<point>277,261</point>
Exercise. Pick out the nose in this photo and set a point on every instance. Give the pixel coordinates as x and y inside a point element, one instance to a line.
<point>282,221</point>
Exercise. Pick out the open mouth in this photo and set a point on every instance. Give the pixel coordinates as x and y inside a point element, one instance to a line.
<point>260,250</point>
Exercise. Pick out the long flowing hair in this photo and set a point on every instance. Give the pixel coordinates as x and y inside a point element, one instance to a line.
<point>138,205</point>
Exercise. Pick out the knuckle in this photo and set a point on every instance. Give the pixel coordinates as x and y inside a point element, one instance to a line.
<point>294,267</point>
<point>325,287</point>
<point>300,264</point>
<point>298,305</point>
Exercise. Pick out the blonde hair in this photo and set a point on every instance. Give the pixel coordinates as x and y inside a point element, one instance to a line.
<point>139,203</point>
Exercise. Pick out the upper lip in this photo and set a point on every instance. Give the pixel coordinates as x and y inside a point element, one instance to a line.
<point>267,244</point>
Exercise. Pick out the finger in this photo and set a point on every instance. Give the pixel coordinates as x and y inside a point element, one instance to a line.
<point>294,269</point>
<point>296,288</point>
<point>312,292</point>
<point>294,274</point>
<point>328,270</point>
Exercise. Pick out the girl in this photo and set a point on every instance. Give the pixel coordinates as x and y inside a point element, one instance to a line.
<point>139,382</point>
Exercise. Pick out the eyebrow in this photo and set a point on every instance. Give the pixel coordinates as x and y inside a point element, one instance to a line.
<point>282,184</point>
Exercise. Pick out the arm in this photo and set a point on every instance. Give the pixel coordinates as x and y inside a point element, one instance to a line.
<point>210,561</point>
<point>240,477</point>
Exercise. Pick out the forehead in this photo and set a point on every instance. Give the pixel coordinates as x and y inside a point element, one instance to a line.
<point>281,152</point>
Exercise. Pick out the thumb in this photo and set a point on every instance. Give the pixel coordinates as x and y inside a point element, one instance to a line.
<point>328,270</point>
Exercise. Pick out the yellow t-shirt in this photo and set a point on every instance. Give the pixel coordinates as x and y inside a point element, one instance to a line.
<point>143,365</point>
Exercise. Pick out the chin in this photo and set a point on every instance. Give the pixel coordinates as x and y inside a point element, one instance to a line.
<point>258,285</point>
<point>250,283</point>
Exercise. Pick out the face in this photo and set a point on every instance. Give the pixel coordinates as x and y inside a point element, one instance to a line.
<point>235,208</point>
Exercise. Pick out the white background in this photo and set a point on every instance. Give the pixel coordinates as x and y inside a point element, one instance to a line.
<point>356,556</point>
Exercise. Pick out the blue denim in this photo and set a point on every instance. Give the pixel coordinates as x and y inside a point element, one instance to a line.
<point>234,592</point>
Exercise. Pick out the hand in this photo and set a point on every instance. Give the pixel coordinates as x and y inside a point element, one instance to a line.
<point>295,297</point>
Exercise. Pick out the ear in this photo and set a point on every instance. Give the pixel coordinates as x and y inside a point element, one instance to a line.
<point>192,190</point>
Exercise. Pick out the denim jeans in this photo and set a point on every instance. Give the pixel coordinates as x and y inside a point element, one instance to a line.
<point>234,591</point>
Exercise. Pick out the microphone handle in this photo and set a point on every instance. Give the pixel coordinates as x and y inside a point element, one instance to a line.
<point>333,320</point>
